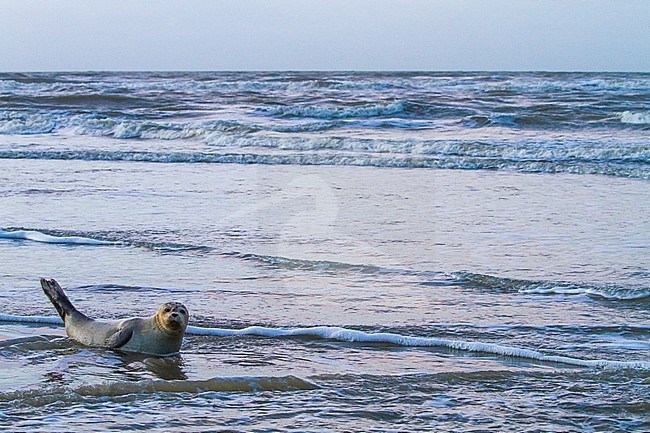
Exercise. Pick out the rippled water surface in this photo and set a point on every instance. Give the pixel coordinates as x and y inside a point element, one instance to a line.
<point>358,252</point>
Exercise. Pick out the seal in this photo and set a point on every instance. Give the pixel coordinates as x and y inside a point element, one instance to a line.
<point>160,334</point>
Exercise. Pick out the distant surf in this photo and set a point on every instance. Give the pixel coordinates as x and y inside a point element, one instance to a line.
<point>626,162</point>
<point>533,123</point>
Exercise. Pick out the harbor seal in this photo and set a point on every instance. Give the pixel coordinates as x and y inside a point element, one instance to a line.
<point>160,334</point>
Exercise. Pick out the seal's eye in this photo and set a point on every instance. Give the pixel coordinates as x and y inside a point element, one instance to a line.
<point>167,310</point>
<point>183,312</point>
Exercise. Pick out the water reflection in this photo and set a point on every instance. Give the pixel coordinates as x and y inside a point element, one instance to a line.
<point>166,368</point>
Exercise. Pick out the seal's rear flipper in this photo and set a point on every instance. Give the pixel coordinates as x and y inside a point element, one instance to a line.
<point>58,298</point>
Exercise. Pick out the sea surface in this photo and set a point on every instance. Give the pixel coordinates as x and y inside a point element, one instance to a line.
<point>377,252</point>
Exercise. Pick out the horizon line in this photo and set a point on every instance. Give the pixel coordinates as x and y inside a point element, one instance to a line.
<point>536,71</point>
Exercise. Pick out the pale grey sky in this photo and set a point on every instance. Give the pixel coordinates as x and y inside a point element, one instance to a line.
<point>602,35</point>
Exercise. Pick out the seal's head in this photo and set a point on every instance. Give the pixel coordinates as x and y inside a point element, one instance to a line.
<point>172,317</point>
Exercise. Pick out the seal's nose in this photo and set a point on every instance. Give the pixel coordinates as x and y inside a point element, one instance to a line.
<point>174,314</point>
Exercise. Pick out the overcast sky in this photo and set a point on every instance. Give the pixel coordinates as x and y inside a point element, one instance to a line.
<point>602,35</point>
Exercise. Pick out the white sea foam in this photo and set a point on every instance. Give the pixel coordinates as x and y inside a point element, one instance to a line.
<point>351,335</point>
<point>343,334</point>
<point>636,117</point>
<point>612,293</point>
<point>12,122</point>
<point>53,320</point>
<point>336,112</point>
<point>297,82</point>
<point>37,236</point>
<point>528,163</point>
<point>531,287</point>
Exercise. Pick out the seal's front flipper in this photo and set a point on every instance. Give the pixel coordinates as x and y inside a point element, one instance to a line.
<point>58,298</point>
<point>119,339</point>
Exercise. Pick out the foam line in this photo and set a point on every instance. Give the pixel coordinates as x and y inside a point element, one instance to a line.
<point>351,335</point>
<point>343,334</point>
<point>54,320</point>
<point>36,236</point>
<point>463,156</point>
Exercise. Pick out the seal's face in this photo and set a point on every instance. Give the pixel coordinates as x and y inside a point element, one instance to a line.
<point>173,317</point>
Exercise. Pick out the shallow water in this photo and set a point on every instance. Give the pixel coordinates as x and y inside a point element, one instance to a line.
<point>546,253</point>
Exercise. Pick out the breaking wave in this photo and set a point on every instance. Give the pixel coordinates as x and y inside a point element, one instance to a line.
<point>500,284</point>
<point>36,236</point>
<point>296,118</point>
<point>50,320</point>
<point>482,282</point>
<point>634,165</point>
<point>355,336</point>
<point>636,117</point>
<point>39,397</point>
<point>321,112</point>
<point>308,265</point>
<point>24,123</point>
<point>350,335</point>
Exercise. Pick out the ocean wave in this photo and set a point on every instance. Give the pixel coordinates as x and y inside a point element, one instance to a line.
<point>304,126</point>
<point>529,119</point>
<point>245,384</point>
<point>466,279</point>
<point>126,129</point>
<point>501,284</point>
<point>26,123</point>
<point>321,112</point>
<point>351,335</point>
<point>116,127</point>
<point>355,336</point>
<point>310,81</point>
<point>32,341</point>
<point>37,236</point>
<point>563,83</point>
<point>635,117</point>
<point>200,83</point>
<point>108,288</point>
<point>611,292</point>
<point>21,123</point>
<point>50,320</point>
<point>309,265</point>
<point>444,327</point>
<point>160,124</point>
<point>634,165</point>
<point>237,135</point>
